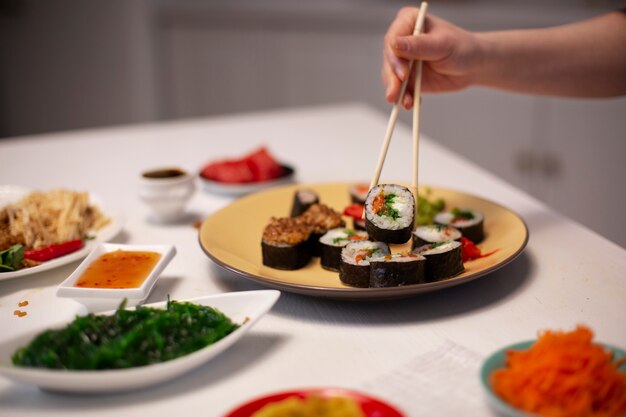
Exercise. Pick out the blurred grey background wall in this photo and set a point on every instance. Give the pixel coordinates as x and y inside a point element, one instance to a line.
<point>70,64</point>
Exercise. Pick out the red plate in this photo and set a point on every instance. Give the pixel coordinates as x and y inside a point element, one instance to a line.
<point>372,407</point>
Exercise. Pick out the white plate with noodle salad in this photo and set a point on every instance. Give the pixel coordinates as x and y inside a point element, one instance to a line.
<point>41,219</point>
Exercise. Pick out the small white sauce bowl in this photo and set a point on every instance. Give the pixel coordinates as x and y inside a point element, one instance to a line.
<point>103,299</point>
<point>167,197</point>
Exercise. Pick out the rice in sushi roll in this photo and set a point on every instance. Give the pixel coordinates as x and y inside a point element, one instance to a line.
<point>469,222</point>
<point>355,261</point>
<point>397,269</point>
<point>443,260</point>
<point>333,242</point>
<point>321,218</point>
<point>390,213</point>
<point>433,233</point>
<point>303,199</point>
<point>285,243</point>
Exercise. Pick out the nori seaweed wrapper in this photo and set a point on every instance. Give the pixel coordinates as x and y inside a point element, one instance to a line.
<point>354,275</point>
<point>358,193</point>
<point>393,274</point>
<point>288,257</point>
<point>475,233</point>
<point>418,242</point>
<point>314,244</point>
<point>357,272</point>
<point>330,256</point>
<point>388,235</point>
<point>443,265</point>
<point>299,206</point>
<point>358,224</point>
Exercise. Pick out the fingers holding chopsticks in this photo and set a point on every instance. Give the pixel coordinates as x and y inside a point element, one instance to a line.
<point>447,51</point>
<point>396,68</point>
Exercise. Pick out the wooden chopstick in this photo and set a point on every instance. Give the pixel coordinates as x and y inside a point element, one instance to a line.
<point>417,102</point>
<point>393,118</point>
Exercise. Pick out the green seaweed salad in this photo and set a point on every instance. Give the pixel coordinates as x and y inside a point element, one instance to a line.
<point>428,209</point>
<point>127,338</point>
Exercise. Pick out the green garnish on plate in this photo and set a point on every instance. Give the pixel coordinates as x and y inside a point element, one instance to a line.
<point>427,209</point>
<point>127,338</point>
<point>11,258</point>
<point>462,214</point>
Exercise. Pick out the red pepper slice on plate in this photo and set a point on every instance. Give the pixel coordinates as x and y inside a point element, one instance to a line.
<point>470,251</point>
<point>53,251</point>
<point>354,210</point>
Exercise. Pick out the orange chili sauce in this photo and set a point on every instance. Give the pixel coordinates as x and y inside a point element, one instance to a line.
<point>118,269</point>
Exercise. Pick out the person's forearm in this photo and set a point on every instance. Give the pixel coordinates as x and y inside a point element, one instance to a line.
<point>586,59</point>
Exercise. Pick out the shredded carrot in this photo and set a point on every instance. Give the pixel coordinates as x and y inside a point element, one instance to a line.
<point>378,203</point>
<point>563,374</point>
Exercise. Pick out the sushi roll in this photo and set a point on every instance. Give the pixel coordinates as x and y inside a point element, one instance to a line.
<point>358,193</point>
<point>443,260</point>
<point>303,199</point>
<point>397,269</point>
<point>333,242</point>
<point>469,222</point>
<point>433,233</point>
<point>358,224</point>
<point>355,261</point>
<point>285,243</point>
<point>321,218</point>
<point>390,213</point>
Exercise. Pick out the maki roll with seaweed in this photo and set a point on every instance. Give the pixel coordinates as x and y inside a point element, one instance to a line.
<point>443,260</point>
<point>433,233</point>
<point>355,261</point>
<point>397,269</point>
<point>333,242</point>
<point>358,224</point>
<point>358,193</point>
<point>303,199</point>
<point>390,213</point>
<point>321,218</point>
<point>469,222</point>
<point>285,243</point>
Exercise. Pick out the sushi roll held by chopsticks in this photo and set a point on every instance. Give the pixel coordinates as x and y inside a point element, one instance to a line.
<point>390,213</point>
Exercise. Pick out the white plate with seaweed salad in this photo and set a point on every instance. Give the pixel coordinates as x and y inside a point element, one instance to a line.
<point>243,308</point>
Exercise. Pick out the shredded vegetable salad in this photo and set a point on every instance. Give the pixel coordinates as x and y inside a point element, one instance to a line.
<point>564,374</point>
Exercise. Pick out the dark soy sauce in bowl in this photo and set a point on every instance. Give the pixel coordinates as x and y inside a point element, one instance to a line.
<point>164,173</point>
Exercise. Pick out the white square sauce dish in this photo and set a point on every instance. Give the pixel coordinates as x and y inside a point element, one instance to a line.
<point>114,272</point>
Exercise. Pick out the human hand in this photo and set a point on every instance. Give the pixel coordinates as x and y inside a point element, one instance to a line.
<point>449,54</point>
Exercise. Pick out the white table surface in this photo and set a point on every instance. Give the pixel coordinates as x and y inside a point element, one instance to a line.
<point>567,274</point>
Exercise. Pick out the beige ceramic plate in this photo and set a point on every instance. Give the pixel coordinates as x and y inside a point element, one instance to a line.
<point>232,238</point>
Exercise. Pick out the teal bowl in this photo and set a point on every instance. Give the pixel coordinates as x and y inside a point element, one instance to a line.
<point>497,361</point>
